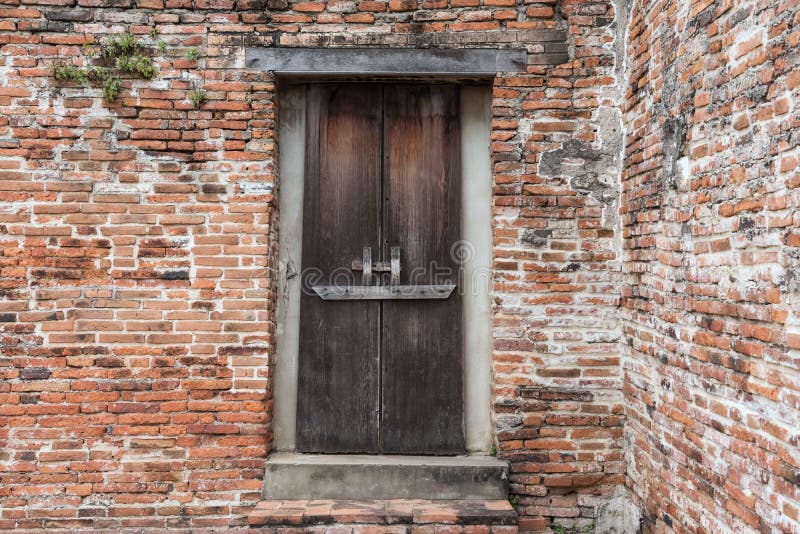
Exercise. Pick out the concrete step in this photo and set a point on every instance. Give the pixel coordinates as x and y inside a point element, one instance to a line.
<point>396,516</point>
<point>345,476</point>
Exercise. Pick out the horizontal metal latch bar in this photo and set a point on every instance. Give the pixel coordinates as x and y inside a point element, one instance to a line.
<point>377,267</point>
<point>438,291</point>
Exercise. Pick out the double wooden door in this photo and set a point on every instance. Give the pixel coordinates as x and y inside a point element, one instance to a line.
<point>381,374</point>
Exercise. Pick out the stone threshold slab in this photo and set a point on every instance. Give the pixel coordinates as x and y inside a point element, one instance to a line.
<point>343,476</point>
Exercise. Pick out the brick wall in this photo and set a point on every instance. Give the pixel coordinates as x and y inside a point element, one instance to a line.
<point>712,383</point>
<point>558,405</point>
<point>136,286</point>
<point>137,238</point>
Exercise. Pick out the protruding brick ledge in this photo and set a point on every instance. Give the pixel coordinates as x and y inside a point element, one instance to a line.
<point>395,516</point>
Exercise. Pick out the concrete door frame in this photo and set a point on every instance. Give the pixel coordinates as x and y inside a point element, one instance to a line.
<point>476,252</point>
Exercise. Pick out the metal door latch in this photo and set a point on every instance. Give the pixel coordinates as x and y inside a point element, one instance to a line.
<point>394,291</point>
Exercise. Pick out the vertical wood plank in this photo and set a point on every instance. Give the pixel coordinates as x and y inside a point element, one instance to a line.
<point>421,341</point>
<point>338,382</point>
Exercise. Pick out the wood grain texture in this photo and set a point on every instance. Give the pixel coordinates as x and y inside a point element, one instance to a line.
<point>338,383</point>
<point>421,341</point>
<point>382,171</point>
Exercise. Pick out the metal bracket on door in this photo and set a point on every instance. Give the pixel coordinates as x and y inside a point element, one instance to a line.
<point>394,291</point>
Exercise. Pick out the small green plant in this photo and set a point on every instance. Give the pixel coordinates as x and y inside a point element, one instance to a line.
<point>561,529</point>
<point>514,500</point>
<point>124,45</point>
<point>70,73</point>
<point>111,87</point>
<point>88,51</point>
<point>193,54</point>
<point>122,55</point>
<point>493,450</point>
<point>198,97</point>
<point>153,32</point>
<point>162,46</point>
<point>137,65</point>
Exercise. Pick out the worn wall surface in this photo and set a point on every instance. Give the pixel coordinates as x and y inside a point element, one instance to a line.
<point>137,238</point>
<point>556,148</point>
<point>136,283</point>
<point>709,213</point>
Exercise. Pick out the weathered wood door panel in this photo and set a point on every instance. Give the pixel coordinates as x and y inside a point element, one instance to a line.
<point>383,171</point>
<point>338,375</point>
<point>422,399</point>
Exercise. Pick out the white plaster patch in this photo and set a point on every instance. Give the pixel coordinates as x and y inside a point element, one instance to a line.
<point>13,208</point>
<point>256,188</point>
<point>682,171</point>
<point>743,37</point>
<point>619,515</point>
<point>113,187</point>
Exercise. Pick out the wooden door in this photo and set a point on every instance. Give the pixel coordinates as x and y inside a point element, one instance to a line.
<point>382,171</point>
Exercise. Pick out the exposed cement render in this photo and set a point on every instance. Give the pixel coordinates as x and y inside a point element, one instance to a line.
<point>292,143</point>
